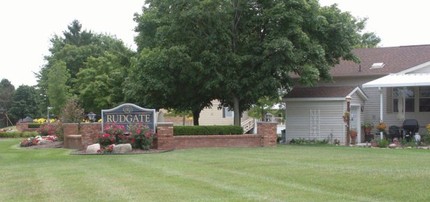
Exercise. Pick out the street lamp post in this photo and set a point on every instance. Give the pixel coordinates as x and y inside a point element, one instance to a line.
<point>91,116</point>
<point>49,108</point>
<point>348,110</point>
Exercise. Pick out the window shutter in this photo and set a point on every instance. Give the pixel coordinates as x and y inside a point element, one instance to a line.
<point>389,100</point>
<point>223,112</point>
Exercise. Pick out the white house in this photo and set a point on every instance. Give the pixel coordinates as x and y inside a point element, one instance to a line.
<point>389,85</point>
<point>224,116</point>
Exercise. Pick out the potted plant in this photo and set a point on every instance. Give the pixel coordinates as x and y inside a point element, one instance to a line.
<point>353,135</point>
<point>367,127</point>
<point>381,127</point>
<point>345,117</point>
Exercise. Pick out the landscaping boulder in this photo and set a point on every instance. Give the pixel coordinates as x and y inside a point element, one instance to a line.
<point>122,148</point>
<point>392,145</point>
<point>43,142</point>
<point>93,149</point>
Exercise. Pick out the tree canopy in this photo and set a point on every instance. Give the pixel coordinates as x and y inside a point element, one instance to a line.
<point>6,94</point>
<point>176,65</point>
<point>237,51</point>
<point>7,91</point>
<point>24,103</point>
<point>97,65</point>
<point>58,91</point>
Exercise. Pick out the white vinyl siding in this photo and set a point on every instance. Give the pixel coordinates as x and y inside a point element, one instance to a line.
<point>227,112</point>
<point>216,116</point>
<point>298,124</point>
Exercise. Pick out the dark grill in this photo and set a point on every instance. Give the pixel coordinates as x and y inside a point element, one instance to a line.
<point>410,127</point>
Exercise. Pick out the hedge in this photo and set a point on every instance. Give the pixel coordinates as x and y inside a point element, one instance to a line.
<point>17,134</point>
<point>207,130</point>
<point>34,125</point>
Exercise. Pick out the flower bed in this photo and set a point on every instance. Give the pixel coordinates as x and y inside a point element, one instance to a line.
<point>139,136</point>
<point>47,134</point>
<point>38,140</point>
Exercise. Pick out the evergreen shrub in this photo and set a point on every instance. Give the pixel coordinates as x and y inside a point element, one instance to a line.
<point>17,134</point>
<point>207,130</point>
<point>34,125</point>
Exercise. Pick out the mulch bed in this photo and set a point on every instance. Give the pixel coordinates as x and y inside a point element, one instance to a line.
<point>59,144</point>
<point>56,144</point>
<point>134,151</point>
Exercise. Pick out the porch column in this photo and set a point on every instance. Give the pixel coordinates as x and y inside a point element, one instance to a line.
<point>381,109</point>
<point>348,122</point>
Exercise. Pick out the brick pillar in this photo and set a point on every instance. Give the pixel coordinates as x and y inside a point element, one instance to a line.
<point>165,140</point>
<point>267,130</point>
<point>21,127</point>
<point>70,129</point>
<point>90,132</point>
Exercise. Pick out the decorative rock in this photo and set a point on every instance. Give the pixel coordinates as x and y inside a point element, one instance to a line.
<point>392,145</point>
<point>43,142</point>
<point>122,149</point>
<point>396,141</point>
<point>93,149</point>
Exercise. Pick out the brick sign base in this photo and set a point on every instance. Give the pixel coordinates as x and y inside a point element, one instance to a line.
<point>266,137</point>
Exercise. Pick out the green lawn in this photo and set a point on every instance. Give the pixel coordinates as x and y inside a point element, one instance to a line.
<point>284,173</point>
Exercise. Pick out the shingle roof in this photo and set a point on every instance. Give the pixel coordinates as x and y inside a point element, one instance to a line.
<point>395,59</point>
<point>321,91</point>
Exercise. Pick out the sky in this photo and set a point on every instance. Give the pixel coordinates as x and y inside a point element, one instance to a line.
<point>28,25</point>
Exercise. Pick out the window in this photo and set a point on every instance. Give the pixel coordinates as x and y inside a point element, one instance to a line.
<point>409,95</point>
<point>424,99</point>
<point>227,112</point>
<point>377,65</point>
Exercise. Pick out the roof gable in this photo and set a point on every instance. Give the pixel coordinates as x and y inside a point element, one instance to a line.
<point>399,80</point>
<point>325,92</point>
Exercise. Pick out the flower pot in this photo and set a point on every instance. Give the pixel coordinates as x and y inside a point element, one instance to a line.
<point>353,135</point>
<point>367,130</point>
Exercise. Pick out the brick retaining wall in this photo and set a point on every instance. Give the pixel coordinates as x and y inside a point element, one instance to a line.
<point>195,141</point>
<point>265,137</point>
<point>24,127</point>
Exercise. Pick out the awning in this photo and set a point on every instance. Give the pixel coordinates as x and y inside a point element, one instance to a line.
<point>400,80</point>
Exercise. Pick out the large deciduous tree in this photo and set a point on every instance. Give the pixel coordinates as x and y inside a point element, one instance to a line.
<point>58,91</point>
<point>100,84</point>
<point>238,51</point>
<point>24,103</point>
<point>7,91</point>
<point>97,64</point>
<point>6,94</point>
<point>178,41</point>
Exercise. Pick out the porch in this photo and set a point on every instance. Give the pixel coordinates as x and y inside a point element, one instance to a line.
<point>403,98</point>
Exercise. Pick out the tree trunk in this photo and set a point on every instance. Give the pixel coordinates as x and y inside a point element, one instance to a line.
<point>234,41</point>
<point>196,116</point>
<point>237,114</point>
<point>263,114</point>
<point>183,119</point>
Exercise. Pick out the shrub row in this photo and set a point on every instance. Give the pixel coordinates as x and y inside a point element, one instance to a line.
<point>207,130</point>
<point>17,134</point>
<point>34,125</point>
<point>303,141</point>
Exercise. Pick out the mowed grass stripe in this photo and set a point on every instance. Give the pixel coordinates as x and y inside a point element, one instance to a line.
<point>353,176</point>
<point>258,175</point>
<point>222,175</point>
<point>183,178</point>
<point>283,173</point>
